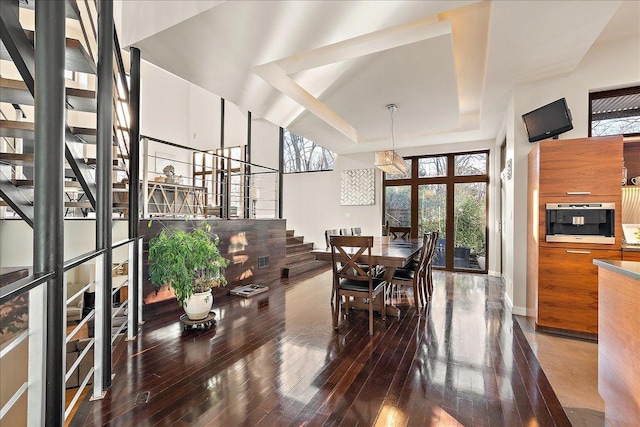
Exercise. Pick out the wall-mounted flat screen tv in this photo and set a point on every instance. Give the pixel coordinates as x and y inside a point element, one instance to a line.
<point>548,121</point>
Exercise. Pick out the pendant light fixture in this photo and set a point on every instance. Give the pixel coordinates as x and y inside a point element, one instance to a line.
<point>390,161</point>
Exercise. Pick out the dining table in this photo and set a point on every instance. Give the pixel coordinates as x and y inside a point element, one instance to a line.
<point>386,252</point>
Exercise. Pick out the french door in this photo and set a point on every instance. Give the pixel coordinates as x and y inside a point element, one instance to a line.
<point>447,193</point>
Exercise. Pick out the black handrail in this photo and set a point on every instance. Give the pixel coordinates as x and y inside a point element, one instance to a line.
<point>122,243</point>
<point>74,262</point>
<point>24,285</point>
<point>184,147</point>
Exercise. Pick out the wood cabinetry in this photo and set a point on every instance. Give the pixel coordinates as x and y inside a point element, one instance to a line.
<point>581,168</point>
<point>629,255</point>
<point>562,282</point>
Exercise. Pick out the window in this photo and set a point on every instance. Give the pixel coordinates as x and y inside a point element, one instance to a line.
<point>447,193</point>
<point>301,155</point>
<point>615,112</point>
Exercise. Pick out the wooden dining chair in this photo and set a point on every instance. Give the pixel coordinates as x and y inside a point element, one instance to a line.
<point>426,273</point>
<point>329,233</point>
<point>350,279</point>
<point>411,277</point>
<point>400,232</point>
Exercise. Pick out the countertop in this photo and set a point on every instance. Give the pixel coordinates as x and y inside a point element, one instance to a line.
<point>627,268</point>
<point>630,248</point>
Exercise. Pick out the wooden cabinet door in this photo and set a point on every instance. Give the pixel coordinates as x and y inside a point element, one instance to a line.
<point>581,167</point>
<point>568,288</point>
<point>630,256</point>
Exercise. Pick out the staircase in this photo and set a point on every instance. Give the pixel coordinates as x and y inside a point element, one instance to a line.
<point>299,257</point>
<point>17,127</point>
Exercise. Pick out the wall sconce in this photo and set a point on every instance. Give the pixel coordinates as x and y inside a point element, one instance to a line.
<point>506,173</point>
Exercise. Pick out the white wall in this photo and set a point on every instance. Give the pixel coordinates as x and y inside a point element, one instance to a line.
<point>311,201</point>
<point>16,240</point>
<point>607,65</point>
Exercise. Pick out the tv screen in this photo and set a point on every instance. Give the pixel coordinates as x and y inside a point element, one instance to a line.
<point>548,121</point>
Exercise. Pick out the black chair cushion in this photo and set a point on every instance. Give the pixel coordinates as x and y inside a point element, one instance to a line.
<point>403,274</point>
<point>356,285</point>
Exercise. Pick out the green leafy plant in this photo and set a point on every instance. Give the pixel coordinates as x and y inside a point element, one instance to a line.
<point>189,262</point>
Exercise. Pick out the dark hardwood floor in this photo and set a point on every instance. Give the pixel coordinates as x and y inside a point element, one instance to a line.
<point>275,360</point>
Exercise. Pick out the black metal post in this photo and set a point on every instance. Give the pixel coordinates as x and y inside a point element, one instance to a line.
<point>224,175</point>
<point>104,166</point>
<point>248,180</point>
<point>134,175</point>
<point>280,174</point>
<point>48,230</point>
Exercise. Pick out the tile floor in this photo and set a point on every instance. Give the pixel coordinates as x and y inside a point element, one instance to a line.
<point>571,365</point>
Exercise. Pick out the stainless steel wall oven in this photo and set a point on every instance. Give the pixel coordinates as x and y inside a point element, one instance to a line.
<point>580,222</point>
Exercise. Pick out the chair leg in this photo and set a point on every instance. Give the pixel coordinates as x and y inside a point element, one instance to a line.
<point>416,293</point>
<point>430,281</point>
<point>370,314</point>
<point>384,305</point>
<point>336,311</point>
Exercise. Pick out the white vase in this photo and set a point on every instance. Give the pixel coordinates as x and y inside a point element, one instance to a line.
<point>197,306</point>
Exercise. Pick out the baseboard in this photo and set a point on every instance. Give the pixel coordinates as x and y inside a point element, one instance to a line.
<point>494,273</point>
<point>518,311</point>
<point>508,302</point>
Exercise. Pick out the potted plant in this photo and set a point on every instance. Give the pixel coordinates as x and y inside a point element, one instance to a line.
<point>189,262</point>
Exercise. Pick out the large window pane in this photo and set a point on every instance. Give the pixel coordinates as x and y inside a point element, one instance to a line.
<point>432,215</point>
<point>432,167</point>
<point>615,112</point>
<point>397,206</point>
<point>391,176</point>
<point>303,155</point>
<point>470,219</point>
<point>471,164</point>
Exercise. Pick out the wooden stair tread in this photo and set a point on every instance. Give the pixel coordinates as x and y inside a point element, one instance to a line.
<point>70,10</point>
<point>76,56</point>
<point>87,134</point>
<point>293,270</point>
<point>16,92</point>
<point>16,129</point>
<point>16,158</point>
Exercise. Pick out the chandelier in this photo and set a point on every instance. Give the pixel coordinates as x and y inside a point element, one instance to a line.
<point>390,161</point>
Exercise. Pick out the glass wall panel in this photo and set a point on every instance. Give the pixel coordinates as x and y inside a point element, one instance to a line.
<point>432,215</point>
<point>470,222</point>
<point>471,164</point>
<point>432,167</point>
<point>397,206</point>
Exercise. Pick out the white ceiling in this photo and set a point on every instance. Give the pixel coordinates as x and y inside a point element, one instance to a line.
<point>327,69</point>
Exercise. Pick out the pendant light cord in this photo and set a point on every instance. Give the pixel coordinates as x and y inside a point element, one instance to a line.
<point>392,108</point>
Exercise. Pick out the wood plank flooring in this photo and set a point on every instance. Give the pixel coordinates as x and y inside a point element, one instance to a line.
<point>275,360</point>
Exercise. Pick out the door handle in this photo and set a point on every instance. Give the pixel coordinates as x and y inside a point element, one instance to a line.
<point>578,193</point>
<point>578,252</point>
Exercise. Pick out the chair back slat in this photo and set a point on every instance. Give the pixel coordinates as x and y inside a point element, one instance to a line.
<point>349,254</point>
<point>400,232</point>
<point>356,231</point>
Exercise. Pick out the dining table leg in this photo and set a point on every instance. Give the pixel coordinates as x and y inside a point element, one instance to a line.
<point>392,310</point>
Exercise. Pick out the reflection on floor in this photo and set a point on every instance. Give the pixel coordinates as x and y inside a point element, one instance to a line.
<point>275,360</point>
<point>571,365</point>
